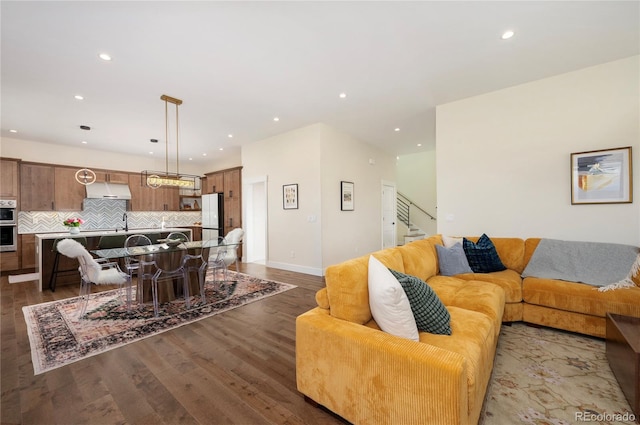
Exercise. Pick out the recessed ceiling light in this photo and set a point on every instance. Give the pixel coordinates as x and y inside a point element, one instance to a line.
<point>419,144</point>
<point>84,142</point>
<point>104,57</point>
<point>190,159</point>
<point>79,97</point>
<point>276,119</point>
<point>221,149</point>
<point>13,131</point>
<point>150,153</point>
<point>204,154</point>
<point>507,34</point>
<point>343,95</point>
<point>230,136</point>
<point>397,129</point>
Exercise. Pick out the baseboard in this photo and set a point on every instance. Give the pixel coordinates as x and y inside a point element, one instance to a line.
<point>295,268</point>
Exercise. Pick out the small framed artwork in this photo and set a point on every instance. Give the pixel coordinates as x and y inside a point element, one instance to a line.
<point>290,196</point>
<point>601,177</point>
<point>346,196</point>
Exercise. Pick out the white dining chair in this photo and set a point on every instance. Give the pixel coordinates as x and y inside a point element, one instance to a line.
<point>233,239</point>
<point>92,272</point>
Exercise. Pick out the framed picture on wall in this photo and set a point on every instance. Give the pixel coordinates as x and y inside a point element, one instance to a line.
<point>601,177</point>
<point>346,196</point>
<point>290,196</point>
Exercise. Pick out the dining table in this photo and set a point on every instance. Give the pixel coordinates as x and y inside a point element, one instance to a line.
<point>168,256</point>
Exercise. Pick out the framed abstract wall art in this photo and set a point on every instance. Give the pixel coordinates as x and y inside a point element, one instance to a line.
<point>602,177</point>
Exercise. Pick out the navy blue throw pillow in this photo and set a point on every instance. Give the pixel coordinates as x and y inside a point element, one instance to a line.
<point>482,256</point>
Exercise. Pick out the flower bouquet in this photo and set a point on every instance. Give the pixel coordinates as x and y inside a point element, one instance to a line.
<point>73,224</point>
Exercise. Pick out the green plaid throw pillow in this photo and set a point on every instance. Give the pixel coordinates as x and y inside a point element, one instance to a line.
<point>430,314</point>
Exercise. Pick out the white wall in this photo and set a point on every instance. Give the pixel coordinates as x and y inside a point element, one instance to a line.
<point>318,233</point>
<point>294,242</point>
<point>503,158</point>
<point>347,234</point>
<point>417,180</point>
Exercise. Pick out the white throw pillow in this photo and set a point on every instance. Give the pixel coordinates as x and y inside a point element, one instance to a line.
<point>450,241</point>
<point>388,302</point>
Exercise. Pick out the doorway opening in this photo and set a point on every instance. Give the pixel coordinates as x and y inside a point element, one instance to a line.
<point>255,213</point>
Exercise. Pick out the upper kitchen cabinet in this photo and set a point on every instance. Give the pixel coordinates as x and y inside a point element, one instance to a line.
<point>112,176</point>
<point>9,179</point>
<point>69,194</point>
<point>37,184</point>
<point>214,182</point>
<point>144,198</point>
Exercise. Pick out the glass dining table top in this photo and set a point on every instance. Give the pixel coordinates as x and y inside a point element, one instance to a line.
<point>135,251</point>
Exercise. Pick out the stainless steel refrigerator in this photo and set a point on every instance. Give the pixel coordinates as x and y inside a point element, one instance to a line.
<point>212,216</point>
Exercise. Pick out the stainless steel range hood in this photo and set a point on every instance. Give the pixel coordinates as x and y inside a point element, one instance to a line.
<point>105,190</point>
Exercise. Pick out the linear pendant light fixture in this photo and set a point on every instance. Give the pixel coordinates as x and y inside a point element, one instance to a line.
<point>156,179</point>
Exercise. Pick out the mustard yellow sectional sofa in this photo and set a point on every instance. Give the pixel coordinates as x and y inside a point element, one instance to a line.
<point>347,364</point>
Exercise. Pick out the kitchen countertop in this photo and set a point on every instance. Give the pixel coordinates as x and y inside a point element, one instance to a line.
<point>43,236</point>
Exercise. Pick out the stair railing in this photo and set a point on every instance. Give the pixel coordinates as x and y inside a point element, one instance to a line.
<point>404,206</point>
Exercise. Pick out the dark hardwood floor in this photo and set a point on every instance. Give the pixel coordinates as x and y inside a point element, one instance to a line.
<point>237,367</point>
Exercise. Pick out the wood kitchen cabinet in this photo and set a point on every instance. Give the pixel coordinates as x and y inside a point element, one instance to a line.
<point>141,196</point>
<point>69,194</point>
<point>168,199</point>
<point>232,195</point>
<point>144,198</point>
<point>49,188</point>
<point>27,251</point>
<point>9,179</point>
<point>112,176</point>
<point>230,183</point>
<point>37,186</point>
<point>214,182</point>
<point>9,261</point>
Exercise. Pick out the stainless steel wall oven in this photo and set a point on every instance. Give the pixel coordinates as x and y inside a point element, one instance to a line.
<point>8,225</point>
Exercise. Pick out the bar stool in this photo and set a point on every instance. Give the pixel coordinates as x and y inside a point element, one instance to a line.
<point>56,262</point>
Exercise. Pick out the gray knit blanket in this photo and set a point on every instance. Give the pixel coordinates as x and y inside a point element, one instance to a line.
<point>593,263</point>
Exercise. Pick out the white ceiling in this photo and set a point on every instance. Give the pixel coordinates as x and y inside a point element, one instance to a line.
<point>237,65</point>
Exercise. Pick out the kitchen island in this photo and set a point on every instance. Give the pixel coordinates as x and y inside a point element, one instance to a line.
<point>45,256</point>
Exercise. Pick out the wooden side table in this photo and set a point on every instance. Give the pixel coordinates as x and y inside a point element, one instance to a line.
<point>623,354</point>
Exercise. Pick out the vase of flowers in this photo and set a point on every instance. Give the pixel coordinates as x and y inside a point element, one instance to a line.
<point>73,224</point>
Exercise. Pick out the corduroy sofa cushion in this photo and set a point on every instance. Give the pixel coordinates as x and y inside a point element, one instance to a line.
<point>580,297</point>
<point>347,285</point>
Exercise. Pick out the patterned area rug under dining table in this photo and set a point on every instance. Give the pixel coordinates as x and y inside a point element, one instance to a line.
<point>59,337</point>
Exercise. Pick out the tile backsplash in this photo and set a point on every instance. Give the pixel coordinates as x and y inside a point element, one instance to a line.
<point>101,214</point>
